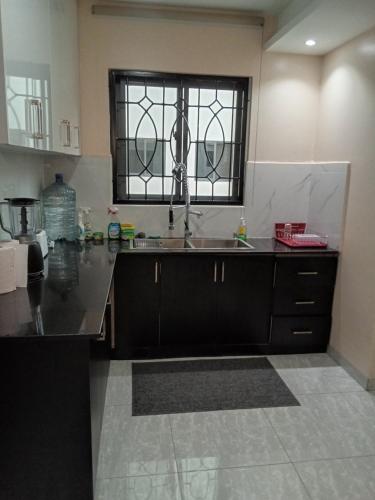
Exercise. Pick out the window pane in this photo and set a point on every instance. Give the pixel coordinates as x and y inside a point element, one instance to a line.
<point>164,119</point>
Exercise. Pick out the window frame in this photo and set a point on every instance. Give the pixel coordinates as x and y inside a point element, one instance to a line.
<point>242,128</point>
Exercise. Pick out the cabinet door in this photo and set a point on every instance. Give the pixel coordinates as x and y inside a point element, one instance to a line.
<point>188,300</point>
<point>244,299</point>
<point>137,297</point>
<point>26,50</point>
<point>64,76</point>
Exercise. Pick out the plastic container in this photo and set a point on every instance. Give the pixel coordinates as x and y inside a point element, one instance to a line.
<point>59,211</point>
<point>127,232</point>
<point>87,223</point>
<point>114,227</point>
<point>81,225</point>
<point>242,228</point>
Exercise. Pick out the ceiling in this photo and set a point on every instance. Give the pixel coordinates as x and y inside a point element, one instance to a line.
<point>330,22</point>
<point>266,6</point>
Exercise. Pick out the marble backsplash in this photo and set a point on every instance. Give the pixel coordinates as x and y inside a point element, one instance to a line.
<point>274,192</point>
<point>300,192</point>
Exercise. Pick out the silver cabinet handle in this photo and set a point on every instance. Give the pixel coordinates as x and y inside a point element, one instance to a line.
<point>40,120</point>
<point>305,302</point>
<point>215,272</point>
<point>302,332</point>
<point>223,272</point>
<point>66,141</point>
<point>36,118</point>
<point>308,273</point>
<point>157,271</point>
<point>77,144</point>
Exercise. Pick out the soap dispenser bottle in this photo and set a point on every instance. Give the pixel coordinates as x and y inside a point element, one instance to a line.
<point>242,228</point>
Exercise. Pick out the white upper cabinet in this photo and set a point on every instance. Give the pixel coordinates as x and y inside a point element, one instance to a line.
<point>39,91</point>
<point>64,76</point>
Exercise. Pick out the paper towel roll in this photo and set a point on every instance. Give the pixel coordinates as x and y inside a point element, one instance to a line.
<point>7,269</point>
<point>20,260</point>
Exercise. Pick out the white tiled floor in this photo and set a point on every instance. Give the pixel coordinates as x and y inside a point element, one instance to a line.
<point>322,450</point>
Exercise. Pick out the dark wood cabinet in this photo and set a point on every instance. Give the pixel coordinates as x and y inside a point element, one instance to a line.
<point>293,334</point>
<point>137,303</point>
<point>244,299</point>
<point>202,304</point>
<point>302,303</point>
<point>188,300</point>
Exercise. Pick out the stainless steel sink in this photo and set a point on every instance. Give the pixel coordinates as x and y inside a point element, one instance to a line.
<point>218,244</point>
<point>161,243</point>
<point>191,244</point>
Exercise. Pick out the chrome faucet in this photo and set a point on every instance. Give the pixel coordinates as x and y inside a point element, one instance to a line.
<point>179,174</point>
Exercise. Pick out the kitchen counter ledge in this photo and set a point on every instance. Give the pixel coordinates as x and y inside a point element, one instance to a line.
<point>70,300</point>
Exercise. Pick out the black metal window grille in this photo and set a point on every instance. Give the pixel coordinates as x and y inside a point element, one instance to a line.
<point>160,119</point>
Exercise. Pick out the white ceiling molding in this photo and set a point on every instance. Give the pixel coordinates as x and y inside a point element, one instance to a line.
<point>158,11</point>
<point>330,23</point>
<point>272,7</point>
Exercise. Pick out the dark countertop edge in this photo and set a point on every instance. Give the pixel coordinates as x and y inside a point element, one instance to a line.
<point>50,337</point>
<point>266,246</point>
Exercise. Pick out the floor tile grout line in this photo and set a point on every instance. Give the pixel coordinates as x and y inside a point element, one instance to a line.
<point>304,485</point>
<point>234,467</point>
<point>329,459</point>
<point>273,464</point>
<point>179,479</point>
<point>286,453</point>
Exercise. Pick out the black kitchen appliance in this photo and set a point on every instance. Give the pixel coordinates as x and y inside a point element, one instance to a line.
<point>24,217</point>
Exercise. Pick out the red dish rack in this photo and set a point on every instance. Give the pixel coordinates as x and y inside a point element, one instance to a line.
<point>296,228</point>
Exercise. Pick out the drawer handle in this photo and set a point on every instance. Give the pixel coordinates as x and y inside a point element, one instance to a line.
<point>308,273</point>
<point>305,302</point>
<point>302,332</point>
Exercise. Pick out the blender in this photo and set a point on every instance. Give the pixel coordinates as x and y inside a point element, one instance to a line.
<point>23,224</point>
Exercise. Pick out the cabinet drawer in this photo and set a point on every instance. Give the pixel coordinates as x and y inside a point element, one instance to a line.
<point>302,301</point>
<point>305,271</point>
<point>300,332</point>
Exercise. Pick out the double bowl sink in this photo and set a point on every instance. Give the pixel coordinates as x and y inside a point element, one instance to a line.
<point>191,244</point>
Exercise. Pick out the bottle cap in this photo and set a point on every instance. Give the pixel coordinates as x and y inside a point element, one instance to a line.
<point>59,178</point>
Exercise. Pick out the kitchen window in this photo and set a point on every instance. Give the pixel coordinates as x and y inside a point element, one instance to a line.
<point>158,120</point>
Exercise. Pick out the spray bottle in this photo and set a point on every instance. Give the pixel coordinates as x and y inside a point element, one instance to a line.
<point>81,225</point>
<point>114,228</point>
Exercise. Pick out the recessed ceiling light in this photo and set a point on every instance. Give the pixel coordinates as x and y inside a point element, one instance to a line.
<point>310,43</point>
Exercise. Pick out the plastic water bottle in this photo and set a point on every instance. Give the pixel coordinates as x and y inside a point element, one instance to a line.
<point>59,210</point>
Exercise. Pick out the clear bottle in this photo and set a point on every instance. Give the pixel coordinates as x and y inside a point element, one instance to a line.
<point>81,225</point>
<point>87,223</point>
<point>242,228</point>
<point>59,210</point>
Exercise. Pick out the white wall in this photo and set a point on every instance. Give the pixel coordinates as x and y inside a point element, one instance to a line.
<point>283,121</point>
<point>346,130</point>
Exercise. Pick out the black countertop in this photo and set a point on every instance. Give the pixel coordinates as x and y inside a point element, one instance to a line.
<point>70,301</point>
<point>270,245</point>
